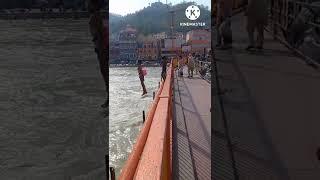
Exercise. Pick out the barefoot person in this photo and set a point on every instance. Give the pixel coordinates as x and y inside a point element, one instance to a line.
<point>99,32</point>
<point>141,76</point>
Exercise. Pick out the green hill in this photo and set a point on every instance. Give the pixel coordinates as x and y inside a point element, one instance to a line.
<point>156,18</point>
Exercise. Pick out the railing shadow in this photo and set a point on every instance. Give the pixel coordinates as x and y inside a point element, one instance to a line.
<point>249,135</point>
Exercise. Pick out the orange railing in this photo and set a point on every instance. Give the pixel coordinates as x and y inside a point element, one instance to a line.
<point>151,155</point>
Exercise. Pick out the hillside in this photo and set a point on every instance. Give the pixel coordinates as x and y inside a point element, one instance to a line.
<point>156,18</point>
<point>113,18</point>
<point>10,4</point>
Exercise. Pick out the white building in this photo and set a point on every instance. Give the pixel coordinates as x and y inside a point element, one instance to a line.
<point>159,36</point>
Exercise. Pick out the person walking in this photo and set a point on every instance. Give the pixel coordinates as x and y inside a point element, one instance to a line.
<point>191,65</point>
<point>223,24</point>
<point>141,77</point>
<point>257,18</point>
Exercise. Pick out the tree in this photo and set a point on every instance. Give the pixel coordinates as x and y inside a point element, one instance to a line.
<point>154,19</point>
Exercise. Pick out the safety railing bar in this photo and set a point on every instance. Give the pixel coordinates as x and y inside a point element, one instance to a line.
<point>133,159</point>
<point>303,4</point>
<point>164,165</point>
<point>283,13</point>
<point>314,24</point>
<point>307,59</point>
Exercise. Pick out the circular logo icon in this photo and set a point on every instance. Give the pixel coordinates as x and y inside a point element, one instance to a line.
<point>193,12</point>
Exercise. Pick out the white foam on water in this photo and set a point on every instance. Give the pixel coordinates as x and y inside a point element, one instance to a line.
<point>126,106</point>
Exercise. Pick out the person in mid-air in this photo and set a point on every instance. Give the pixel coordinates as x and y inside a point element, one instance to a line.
<point>141,77</point>
<point>164,68</point>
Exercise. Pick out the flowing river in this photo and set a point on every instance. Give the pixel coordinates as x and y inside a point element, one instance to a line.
<point>126,106</point>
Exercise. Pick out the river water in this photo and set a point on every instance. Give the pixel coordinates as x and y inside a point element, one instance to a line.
<point>126,106</point>
<point>51,123</point>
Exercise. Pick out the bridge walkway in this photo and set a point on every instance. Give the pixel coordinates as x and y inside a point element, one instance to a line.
<point>271,104</point>
<point>191,128</point>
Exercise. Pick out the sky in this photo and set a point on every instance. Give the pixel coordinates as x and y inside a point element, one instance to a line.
<point>124,7</point>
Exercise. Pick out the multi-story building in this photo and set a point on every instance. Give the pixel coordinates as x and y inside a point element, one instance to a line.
<point>160,36</point>
<point>148,50</point>
<point>199,40</point>
<point>172,46</point>
<point>179,35</point>
<point>114,52</point>
<point>128,45</point>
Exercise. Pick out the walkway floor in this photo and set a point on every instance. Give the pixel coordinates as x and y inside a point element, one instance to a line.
<point>191,128</point>
<point>272,105</point>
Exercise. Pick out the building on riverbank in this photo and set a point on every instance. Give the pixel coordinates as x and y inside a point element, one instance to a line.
<point>148,50</point>
<point>199,40</point>
<point>114,52</point>
<point>172,46</point>
<point>128,45</point>
<point>160,36</point>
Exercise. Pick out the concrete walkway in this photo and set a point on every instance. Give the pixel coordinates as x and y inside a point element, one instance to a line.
<point>191,128</point>
<point>272,105</point>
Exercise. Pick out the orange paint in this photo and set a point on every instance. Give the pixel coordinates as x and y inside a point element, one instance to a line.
<point>129,168</point>
<point>151,155</point>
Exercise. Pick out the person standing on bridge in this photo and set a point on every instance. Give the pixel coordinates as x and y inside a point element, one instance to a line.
<point>164,68</point>
<point>223,24</point>
<point>191,60</point>
<point>180,65</point>
<point>257,18</point>
<point>141,77</point>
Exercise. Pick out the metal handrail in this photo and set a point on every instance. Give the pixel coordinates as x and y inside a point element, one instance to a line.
<point>281,14</point>
<point>203,68</point>
<point>285,14</point>
<point>129,168</point>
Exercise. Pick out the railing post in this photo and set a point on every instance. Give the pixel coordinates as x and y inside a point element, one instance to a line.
<point>113,175</point>
<point>154,94</point>
<point>106,162</point>
<point>272,5</point>
<point>143,116</point>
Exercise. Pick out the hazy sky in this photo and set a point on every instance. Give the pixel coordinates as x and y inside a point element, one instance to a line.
<point>124,7</point>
